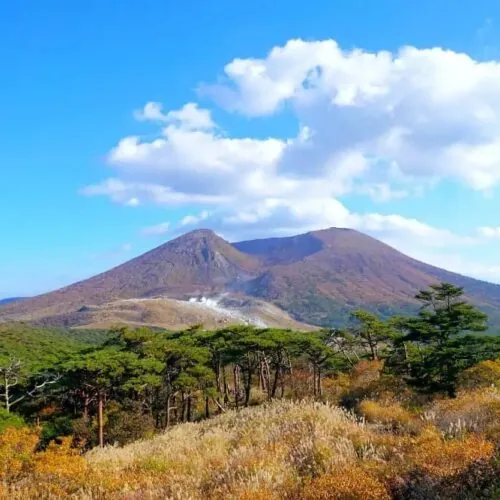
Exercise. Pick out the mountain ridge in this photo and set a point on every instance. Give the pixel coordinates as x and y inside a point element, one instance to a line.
<point>317,277</point>
<point>10,300</point>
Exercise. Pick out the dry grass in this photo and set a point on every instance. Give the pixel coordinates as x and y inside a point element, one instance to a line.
<point>296,450</point>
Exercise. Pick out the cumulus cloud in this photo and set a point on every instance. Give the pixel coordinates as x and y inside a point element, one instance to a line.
<point>376,124</point>
<point>489,232</point>
<point>189,117</point>
<point>434,112</point>
<point>190,220</point>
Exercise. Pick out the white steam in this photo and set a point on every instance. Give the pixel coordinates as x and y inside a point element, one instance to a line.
<point>214,304</point>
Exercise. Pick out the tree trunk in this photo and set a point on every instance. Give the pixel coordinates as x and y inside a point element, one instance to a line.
<point>207,408</point>
<point>373,348</point>
<point>188,409</point>
<point>183,407</point>
<point>7,397</point>
<point>100,418</point>
<point>248,387</point>
<point>226,389</point>
<point>236,385</point>
<point>218,376</point>
<point>176,411</point>
<point>86,409</point>
<point>275,381</point>
<point>6,393</point>
<point>167,418</point>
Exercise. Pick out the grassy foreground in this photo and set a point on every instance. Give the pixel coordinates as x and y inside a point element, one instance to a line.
<point>282,449</point>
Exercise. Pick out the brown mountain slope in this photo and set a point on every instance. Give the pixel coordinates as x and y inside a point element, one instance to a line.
<point>318,277</point>
<point>195,263</point>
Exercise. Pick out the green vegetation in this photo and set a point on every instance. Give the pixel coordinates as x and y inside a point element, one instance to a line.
<point>38,348</point>
<point>130,384</point>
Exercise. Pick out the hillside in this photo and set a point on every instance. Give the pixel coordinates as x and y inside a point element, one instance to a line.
<point>297,450</point>
<point>197,263</point>
<point>10,300</point>
<point>37,347</point>
<point>318,278</point>
<point>173,314</point>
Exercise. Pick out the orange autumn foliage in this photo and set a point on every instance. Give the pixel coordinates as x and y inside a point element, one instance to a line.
<point>350,483</point>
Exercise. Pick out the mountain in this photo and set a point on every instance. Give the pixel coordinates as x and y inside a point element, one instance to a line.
<point>9,300</point>
<point>316,278</point>
<point>320,277</point>
<point>196,263</point>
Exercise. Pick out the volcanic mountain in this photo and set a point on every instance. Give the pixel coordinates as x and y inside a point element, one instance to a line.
<point>316,278</point>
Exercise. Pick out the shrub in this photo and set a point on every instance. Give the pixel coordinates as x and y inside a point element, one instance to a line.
<point>366,372</point>
<point>9,420</point>
<point>385,388</point>
<point>470,411</point>
<point>350,483</point>
<point>392,415</point>
<point>17,446</point>
<point>448,457</point>
<point>484,374</point>
<point>126,426</point>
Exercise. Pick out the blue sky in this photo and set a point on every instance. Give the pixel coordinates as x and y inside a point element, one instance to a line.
<point>265,118</point>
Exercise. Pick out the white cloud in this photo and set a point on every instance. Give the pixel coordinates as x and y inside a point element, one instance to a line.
<point>382,125</point>
<point>133,193</point>
<point>156,230</point>
<point>189,117</point>
<point>132,202</point>
<point>151,111</point>
<point>189,220</point>
<point>434,112</point>
<point>489,232</point>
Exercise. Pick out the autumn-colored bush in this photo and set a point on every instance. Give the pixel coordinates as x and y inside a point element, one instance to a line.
<point>448,457</point>
<point>349,483</point>
<point>392,415</point>
<point>125,425</point>
<point>471,411</point>
<point>484,374</point>
<point>17,447</point>
<point>281,449</point>
<point>365,372</point>
<point>385,388</point>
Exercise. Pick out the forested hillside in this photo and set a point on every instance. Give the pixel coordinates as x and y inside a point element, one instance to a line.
<point>397,408</point>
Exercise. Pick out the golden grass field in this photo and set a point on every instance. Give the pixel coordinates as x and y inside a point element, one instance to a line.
<point>282,449</point>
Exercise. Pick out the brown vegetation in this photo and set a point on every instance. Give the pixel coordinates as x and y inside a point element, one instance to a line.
<point>283,449</point>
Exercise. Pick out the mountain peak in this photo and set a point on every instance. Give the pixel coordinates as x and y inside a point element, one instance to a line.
<point>200,233</point>
<point>197,238</point>
<point>318,277</point>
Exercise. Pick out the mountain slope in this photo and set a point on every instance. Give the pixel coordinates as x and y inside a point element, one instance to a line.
<point>199,262</point>
<point>10,300</point>
<point>318,277</point>
<point>173,314</point>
